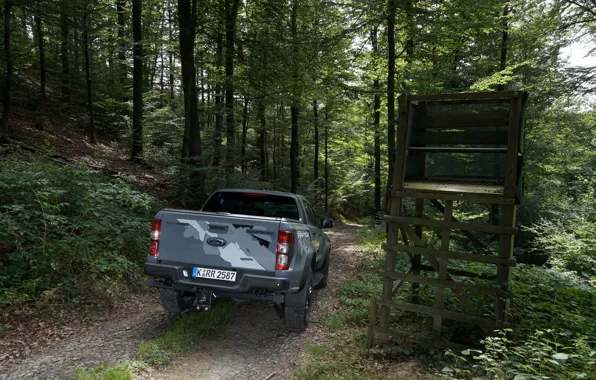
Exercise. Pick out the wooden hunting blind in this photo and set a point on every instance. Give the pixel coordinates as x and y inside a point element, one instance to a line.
<point>464,148</point>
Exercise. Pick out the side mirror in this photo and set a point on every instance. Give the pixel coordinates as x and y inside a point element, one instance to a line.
<point>326,223</point>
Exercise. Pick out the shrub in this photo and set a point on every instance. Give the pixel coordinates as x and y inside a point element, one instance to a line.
<point>66,232</point>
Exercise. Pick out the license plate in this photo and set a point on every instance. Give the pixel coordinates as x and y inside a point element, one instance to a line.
<point>214,274</point>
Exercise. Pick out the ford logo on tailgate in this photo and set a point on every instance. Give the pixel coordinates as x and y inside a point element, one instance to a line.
<point>216,242</point>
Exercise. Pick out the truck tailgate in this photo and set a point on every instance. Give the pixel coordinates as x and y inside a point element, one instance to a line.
<point>219,241</point>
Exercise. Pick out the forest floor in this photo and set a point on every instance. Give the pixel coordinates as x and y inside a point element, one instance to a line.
<point>255,344</point>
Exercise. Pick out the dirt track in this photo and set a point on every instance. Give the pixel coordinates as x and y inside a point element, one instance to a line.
<point>254,345</point>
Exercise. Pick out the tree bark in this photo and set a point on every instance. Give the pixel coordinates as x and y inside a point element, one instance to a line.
<point>294,148</point>
<point>86,48</point>
<point>504,40</point>
<point>244,131</point>
<point>187,25</point>
<point>64,47</point>
<point>171,55</point>
<point>262,141</point>
<point>326,161</point>
<point>8,4</point>
<point>391,6</point>
<point>217,150</point>
<point>377,130</point>
<point>137,97</point>
<point>315,111</point>
<point>122,64</point>
<point>42,60</point>
<point>231,10</point>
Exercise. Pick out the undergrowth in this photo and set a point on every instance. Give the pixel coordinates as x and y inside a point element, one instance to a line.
<point>123,370</point>
<point>69,235</point>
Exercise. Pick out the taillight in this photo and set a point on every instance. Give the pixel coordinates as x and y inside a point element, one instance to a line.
<point>155,234</point>
<point>285,249</point>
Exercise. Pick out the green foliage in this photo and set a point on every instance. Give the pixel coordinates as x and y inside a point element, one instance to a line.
<point>66,232</point>
<point>546,354</point>
<point>187,334</point>
<point>122,370</point>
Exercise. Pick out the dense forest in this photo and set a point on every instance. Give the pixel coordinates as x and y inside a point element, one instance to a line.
<point>292,95</point>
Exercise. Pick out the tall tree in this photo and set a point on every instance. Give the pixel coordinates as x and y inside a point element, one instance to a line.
<point>217,150</point>
<point>8,4</point>
<point>391,8</point>
<point>315,111</point>
<point>121,25</point>
<point>231,10</point>
<point>137,95</point>
<point>41,52</point>
<point>377,130</point>
<point>86,48</point>
<point>294,149</point>
<point>187,15</point>
<point>64,49</point>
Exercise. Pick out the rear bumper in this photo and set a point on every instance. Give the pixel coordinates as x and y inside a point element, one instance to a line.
<point>246,283</point>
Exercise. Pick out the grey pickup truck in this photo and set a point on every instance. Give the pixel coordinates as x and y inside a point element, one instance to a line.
<point>243,244</point>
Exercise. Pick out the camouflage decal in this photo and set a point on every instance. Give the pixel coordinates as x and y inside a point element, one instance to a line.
<point>241,249</point>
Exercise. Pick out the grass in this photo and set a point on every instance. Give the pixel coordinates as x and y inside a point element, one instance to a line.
<point>187,334</point>
<point>123,370</point>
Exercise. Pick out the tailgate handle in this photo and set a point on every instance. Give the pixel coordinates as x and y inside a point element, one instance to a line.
<point>218,228</point>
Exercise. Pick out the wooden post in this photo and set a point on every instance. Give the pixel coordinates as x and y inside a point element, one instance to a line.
<point>440,293</point>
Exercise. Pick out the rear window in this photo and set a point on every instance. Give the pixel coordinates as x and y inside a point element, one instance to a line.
<point>256,204</point>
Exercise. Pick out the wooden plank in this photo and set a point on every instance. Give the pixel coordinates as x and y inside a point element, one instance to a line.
<point>462,273</point>
<point>444,283</point>
<point>464,120</point>
<point>453,197</point>
<point>502,305</point>
<point>454,138</point>
<point>453,225</point>
<point>463,96</point>
<point>421,309</point>
<point>448,149</point>
<point>443,261</point>
<point>389,333</point>
<point>435,103</point>
<point>485,190</point>
<point>401,283</point>
<point>456,255</point>
<point>513,145</point>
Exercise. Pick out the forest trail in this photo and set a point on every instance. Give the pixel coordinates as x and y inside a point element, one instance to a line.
<point>255,344</point>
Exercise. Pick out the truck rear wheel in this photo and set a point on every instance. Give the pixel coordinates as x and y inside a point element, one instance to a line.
<point>176,302</point>
<point>297,306</point>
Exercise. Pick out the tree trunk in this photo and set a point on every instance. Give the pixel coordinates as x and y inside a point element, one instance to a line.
<point>187,25</point>
<point>391,6</point>
<point>64,46</point>
<point>137,88</point>
<point>244,131</point>
<point>504,40</point>
<point>8,4</point>
<point>86,47</point>
<point>171,54</point>
<point>409,48</point>
<point>231,10</point>
<point>294,149</point>
<point>494,209</point>
<point>262,141</point>
<point>42,60</point>
<point>326,161</point>
<point>315,111</point>
<point>122,64</point>
<point>377,130</point>
<point>217,150</point>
